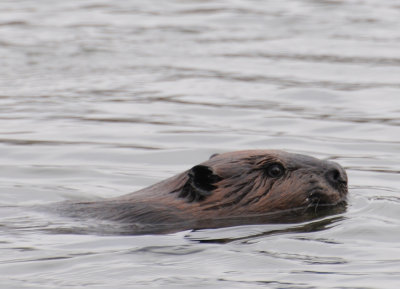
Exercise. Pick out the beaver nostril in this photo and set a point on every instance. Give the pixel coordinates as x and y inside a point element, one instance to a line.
<point>336,177</point>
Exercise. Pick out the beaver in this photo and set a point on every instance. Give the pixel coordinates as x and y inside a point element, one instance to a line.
<point>229,189</point>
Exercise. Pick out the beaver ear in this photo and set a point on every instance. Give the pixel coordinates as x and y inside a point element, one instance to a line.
<point>200,183</point>
<point>213,155</point>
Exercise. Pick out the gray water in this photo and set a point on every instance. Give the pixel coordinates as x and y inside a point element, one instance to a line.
<point>101,98</point>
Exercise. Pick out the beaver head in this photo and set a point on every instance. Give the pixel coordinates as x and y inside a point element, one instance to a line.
<point>244,187</point>
<point>261,181</point>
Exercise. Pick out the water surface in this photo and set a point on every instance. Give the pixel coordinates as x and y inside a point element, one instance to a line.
<point>99,98</point>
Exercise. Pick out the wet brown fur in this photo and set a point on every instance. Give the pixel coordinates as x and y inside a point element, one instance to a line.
<point>228,189</point>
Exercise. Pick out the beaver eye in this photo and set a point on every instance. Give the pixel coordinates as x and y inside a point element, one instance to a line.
<point>275,170</point>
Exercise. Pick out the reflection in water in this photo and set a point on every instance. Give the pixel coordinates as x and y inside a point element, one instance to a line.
<point>312,225</point>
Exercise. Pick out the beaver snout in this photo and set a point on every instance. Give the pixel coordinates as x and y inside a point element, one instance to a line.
<point>336,176</point>
<point>332,189</point>
<point>318,197</point>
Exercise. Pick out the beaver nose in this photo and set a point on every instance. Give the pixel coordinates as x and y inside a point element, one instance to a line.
<point>336,175</point>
